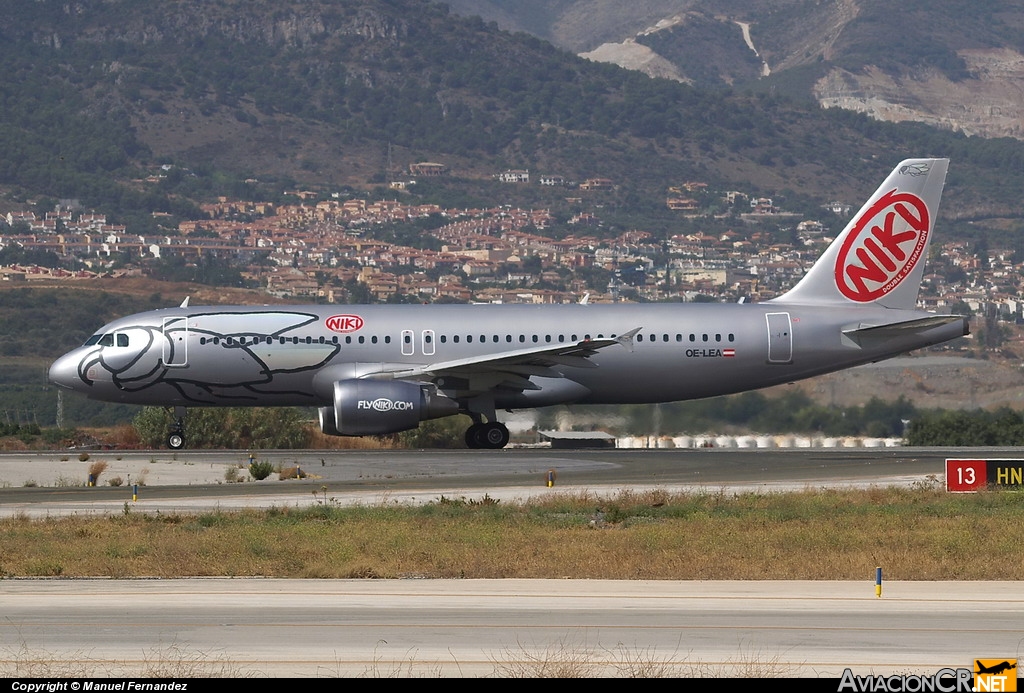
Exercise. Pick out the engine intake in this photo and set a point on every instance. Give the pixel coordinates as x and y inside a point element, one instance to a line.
<point>374,407</point>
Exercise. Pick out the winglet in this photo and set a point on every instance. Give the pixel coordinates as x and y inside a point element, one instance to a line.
<point>184,304</point>
<point>626,340</point>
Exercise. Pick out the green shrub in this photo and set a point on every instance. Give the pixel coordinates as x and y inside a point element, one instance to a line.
<point>260,470</point>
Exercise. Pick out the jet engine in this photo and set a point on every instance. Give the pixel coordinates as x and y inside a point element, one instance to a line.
<point>373,407</point>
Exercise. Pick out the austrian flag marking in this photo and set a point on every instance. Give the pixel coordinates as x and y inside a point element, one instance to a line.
<point>344,323</point>
<point>884,246</point>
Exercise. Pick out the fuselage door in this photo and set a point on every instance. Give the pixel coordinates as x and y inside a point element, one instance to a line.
<point>428,342</point>
<point>175,344</point>
<point>407,343</point>
<point>780,338</point>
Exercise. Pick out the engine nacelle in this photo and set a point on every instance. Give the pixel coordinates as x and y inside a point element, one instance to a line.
<point>374,407</point>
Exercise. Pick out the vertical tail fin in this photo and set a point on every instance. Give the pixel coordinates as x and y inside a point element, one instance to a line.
<point>879,257</point>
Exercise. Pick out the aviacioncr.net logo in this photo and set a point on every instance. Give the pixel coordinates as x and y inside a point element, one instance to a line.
<point>383,404</point>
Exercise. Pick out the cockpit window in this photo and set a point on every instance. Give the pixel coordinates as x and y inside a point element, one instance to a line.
<point>108,339</point>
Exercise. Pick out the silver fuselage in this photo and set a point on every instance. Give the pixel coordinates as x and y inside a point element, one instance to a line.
<point>292,355</point>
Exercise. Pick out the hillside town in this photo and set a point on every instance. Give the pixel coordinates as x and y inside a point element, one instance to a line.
<point>327,249</point>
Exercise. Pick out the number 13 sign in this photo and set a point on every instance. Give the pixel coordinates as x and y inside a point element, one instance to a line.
<point>966,476</point>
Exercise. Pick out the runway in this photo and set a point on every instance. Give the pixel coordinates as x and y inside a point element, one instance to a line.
<point>53,484</point>
<point>429,628</point>
<point>421,628</point>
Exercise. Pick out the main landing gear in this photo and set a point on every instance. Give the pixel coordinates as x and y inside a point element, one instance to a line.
<point>176,436</point>
<point>492,435</point>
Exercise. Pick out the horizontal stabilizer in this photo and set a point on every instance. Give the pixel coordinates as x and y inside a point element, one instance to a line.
<point>863,331</point>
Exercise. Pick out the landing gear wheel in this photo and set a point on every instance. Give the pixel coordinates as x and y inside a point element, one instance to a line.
<point>490,436</point>
<point>176,436</point>
<point>471,436</point>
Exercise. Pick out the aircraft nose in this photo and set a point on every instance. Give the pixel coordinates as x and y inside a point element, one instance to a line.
<point>64,371</point>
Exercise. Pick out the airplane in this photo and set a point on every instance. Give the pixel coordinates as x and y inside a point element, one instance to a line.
<point>995,668</point>
<point>379,369</point>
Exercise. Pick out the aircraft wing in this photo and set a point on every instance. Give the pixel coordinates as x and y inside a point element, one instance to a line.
<point>514,367</point>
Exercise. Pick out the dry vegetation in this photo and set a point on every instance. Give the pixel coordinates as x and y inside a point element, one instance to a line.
<point>174,661</point>
<point>564,658</point>
<point>915,534</point>
<point>567,659</point>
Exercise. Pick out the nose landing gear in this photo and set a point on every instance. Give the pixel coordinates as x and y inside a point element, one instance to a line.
<point>176,436</point>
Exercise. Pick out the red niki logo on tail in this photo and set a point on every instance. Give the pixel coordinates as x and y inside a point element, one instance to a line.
<point>883,247</point>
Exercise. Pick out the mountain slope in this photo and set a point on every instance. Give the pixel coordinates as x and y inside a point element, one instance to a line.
<point>955,65</point>
<point>326,93</point>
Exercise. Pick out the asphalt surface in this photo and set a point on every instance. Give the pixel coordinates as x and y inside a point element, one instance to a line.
<point>56,483</point>
<point>504,628</point>
<point>429,628</point>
